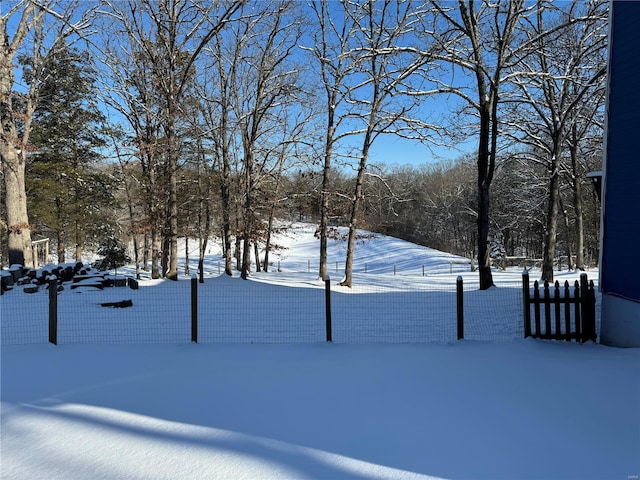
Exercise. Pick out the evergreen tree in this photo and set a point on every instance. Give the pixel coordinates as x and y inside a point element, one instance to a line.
<point>67,190</point>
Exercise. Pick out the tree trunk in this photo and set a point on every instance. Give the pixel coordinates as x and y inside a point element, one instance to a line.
<point>225,191</point>
<point>156,252</point>
<point>324,197</point>
<point>204,238</point>
<point>172,271</point>
<point>484,182</point>
<point>78,252</point>
<point>146,250</point>
<point>201,253</point>
<point>567,231</point>
<point>353,220</point>
<point>246,257</point>
<point>484,259</point>
<point>248,210</point>
<point>61,247</point>
<point>166,249</point>
<point>136,255</point>
<point>267,242</point>
<point>238,253</point>
<point>256,252</point>
<point>577,205</point>
<point>551,229</point>
<point>186,255</point>
<point>13,160</point>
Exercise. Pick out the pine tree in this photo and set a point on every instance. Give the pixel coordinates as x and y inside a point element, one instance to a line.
<point>67,190</point>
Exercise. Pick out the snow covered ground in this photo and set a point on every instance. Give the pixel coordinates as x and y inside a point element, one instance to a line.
<point>511,409</point>
<point>402,293</point>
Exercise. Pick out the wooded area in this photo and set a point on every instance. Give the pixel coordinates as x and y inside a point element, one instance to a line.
<point>150,120</point>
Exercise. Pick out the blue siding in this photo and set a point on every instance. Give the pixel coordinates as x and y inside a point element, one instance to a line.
<point>621,220</point>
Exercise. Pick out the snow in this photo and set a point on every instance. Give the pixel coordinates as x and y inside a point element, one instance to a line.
<point>356,409</point>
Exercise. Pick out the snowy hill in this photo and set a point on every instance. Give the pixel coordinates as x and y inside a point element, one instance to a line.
<point>296,249</point>
<point>374,253</point>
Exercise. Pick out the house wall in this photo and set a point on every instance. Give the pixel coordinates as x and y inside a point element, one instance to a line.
<point>620,235</point>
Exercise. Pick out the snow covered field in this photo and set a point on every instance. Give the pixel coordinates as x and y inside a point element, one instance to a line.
<point>511,409</point>
<point>402,293</point>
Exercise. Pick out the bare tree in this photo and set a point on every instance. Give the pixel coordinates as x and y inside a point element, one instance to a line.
<point>585,134</point>
<point>331,52</point>
<point>265,78</point>
<point>216,92</point>
<point>128,90</point>
<point>556,75</point>
<point>379,92</point>
<point>171,35</point>
<point>44,26</point>
<point>480,42</point>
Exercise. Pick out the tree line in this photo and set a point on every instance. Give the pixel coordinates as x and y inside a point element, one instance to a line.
<point>152,120</point>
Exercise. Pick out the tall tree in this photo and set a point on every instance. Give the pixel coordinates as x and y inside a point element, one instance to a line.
<point>331,52</point>
<point>224,56</point>
<point>30,23</point>
<point>128,89</point>
<point>556,76</point>
<point>584,137</point>
<point>267,78</point>
<point>66,133</point>
<point>385,70</point>
<point>479,40</point>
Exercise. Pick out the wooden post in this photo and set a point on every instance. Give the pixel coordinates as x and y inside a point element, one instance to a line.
<point>526,303</point>
<point>567,312</point>
<point>588,325</point>
<point>53,310</point>
<point>194,309</point>
<point>576,310</point>
<point>547,310</point>
<point>556,299</point>
<point>327,301</point>
<point>536,308</point>
<point>460,307</point>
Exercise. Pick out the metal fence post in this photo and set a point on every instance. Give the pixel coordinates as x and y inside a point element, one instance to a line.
<point>53,309</point>
<point>327,301</point>
<point>460,307</point>
<point>194,309</point>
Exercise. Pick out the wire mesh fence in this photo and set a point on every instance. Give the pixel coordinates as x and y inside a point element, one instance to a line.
<point>276,307</point>
<point>394,311</point>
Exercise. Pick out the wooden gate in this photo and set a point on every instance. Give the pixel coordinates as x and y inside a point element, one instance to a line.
<point>568,315</point>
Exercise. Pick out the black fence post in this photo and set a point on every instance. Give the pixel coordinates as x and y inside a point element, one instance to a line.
<point>327,301</point>
<point>526,291</point>
<point>53,309</point>
<point>194,309</point>
<point>587,307</point>
<point>460,307</point>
